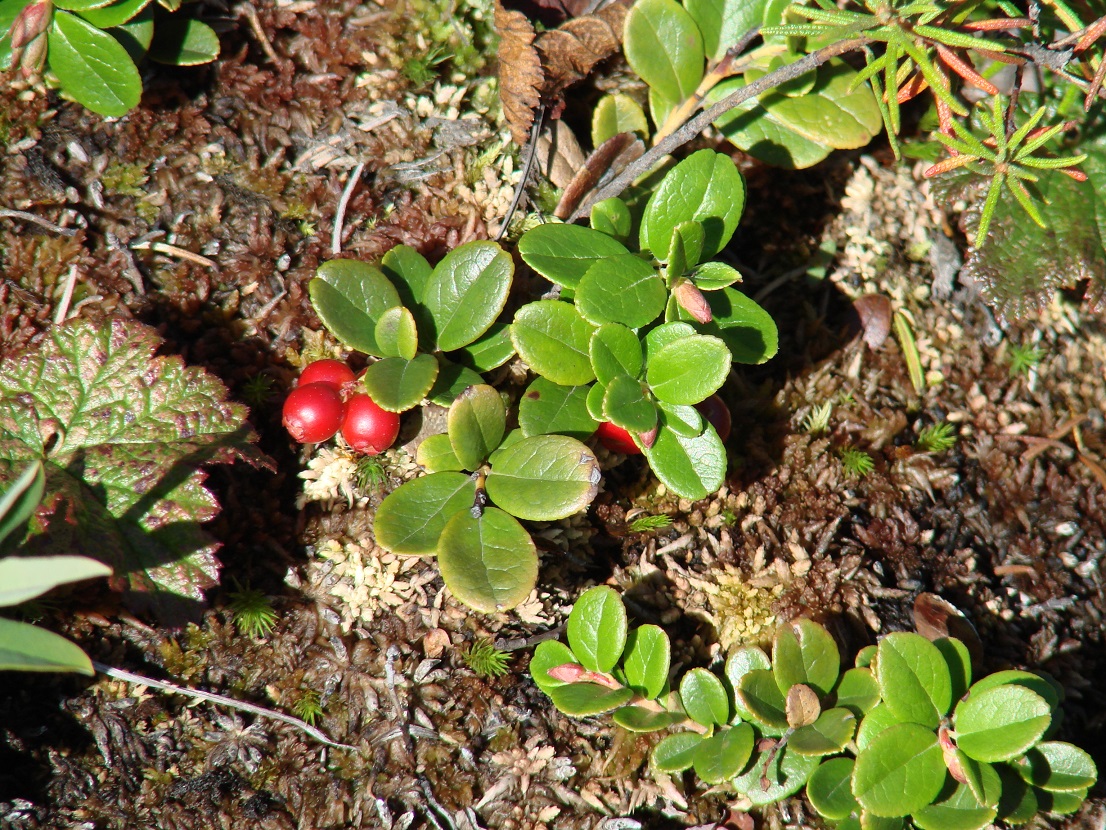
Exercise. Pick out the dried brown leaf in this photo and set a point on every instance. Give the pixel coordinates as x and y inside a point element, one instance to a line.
<point>520,72</point>
<point>606,161</point>
<point>570,52</point>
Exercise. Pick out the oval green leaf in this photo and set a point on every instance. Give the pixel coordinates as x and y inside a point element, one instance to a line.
<point>683,420</point>
<point>829,789</point>
<point>25,647</point>
<point>466,292</point>
<point>488,562</point>
<point>827,735</point>
<point>646,660</point>
<point>489,351</point>
<point>544,478</point>
<point>114,14</point>
<point>627,405</point>
<point>1000,723</point>
<point>691,467</point>
<point>621,289</point>
<point>612,217</point>
<point>350,296</point>
<point>687,248</point>
<point>397,384</point>
<point>452,380</point>
<point>913,678</point>
<point>704,698</point>
<point>689,370</point>
<point>900,771</point>
<point>26,577</point>
<point>758,693</point>
<point>775,776</point>
<point>409,272</point>
<point>476,423</point>
<point>664,47</point>
<point>554,340</point>
<point>93,66</point>
<point>724,754</point>
<point>547,408</point>
<point>615,350</point>
<point>1058,766</point>
<point>183,41</point>
<point>597,628</point>
<point>564,253</point>
<point>638,719</point>
<point>396,335</point>
<point>548,655</point>
<point>958,810</point>
<point>858,691</point>
<point>714,276</point>
<point>879,718</point>
<point>583,699</point>
<point>744,660</point>
<point>614,114</point>
<point>676,753</point>
<point>746,328</point>
<point>804,652</point>
<point>411,519</point>
<point>1014,677</point>
<point>435,453</point>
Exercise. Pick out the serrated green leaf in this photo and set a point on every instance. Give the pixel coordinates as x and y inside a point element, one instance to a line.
<point>664,47</point>
<point>638,719</point>
<point>612,217</point>
<point>646,660</point>
<point>452,380</point>
<point>956,810</point>
<point>112,14</point>
<point>879,718</point>
<point>488,562</point>
<point>827,735</point>
<point>183,41</point>
<point>548,655</point>
<point>411,519</point>
<point>689,370</point>
<point>92,66</point>
<point>435,453</point>
<point>476,423</point>
<point>583,699</point>
<point>858,691</point>
<point>395,333</point>
<point>614,114</point>
<point>724,754</point>
<point>801,131</point>
<point>621,289</point>
<point>714,276</point>
<point>1058,766</point>
<point>691,467</point>
<point>676,752</point>
<point>350,296</point>
<point>26,577</point>
<point>564,253</point>
<point>554,340</point>
<point>627,405</point>
<point>761,697</point>
<point>900,771</point>
<point>706,187</point>
<point>829,789</point>
<point>123,435</point>
<point>804,652</point>
<point>544,478</point>
<point>913,678</point>
<point>489,351</point>
<point>615,350</point>
<point>547,408</point>
<point>21,499</point>
<point>466,292</point>
<point>704,698</point>
<point>597,628</point>
<point>26,647</point>
<point>1000,723</point>
<point>397,384</point>
<point>773,777</point>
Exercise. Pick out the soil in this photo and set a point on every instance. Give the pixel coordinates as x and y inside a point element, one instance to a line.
<point>241,165</point>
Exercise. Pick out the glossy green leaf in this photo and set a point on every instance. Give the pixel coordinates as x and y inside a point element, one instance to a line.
<point>829,789</point>
<point>350,296</point>
<point>26,577</point>
<point>638,719</point>
<point>714,276</point>
<point>614,114</point>
<point>704,698</point>
<point>544,478</point>
<point>1060,803</point>
<point>19,501</point>
<point>411,518</point>
<point>93,66</point>
<point>664,47</point>
<point>26,647</point>
<point>958,810</point>
<point>113,14</point>
<point>564,253</point>
<point>879,717</point>
<point>664,335</point>
<point>682,420</point>
<point>397,384</point>
<point>395,333</point>
<point>583,699</point>
<point>804,652</point>
<point>801,131</point>
<point>489,351</point>
<point>900,771</point>
<point>1013,677</point>
<point>597,628</point>
<point>688,370</point>
<point>594,401</point>
<point>723,22</point>
<point>1058,766</point>
<point>646,660</point>
<point>724,754</point>
<point>80,5</point>
<point>488,562</point>
<point>687,248</point>
<point>827,735</point>
<point>548,655</point>
<point>466,292</point>
<point>409,272</point>
<point>676,753</point>
<point>621,289</point>
<point>706,187</point>
<point>865,656</point>
<point>913,678</point>
<point>435,453</point>
<point>183,41</point>
<point>612,217</point>
<point>959,662</point>
<point>742,661</point>
<point>982,779</point>
<point>773,777</point>
<point>868,821</point>
<point>476,423</point>
<point>692,468</point>
<point>615,350</point>
<point>452,380</point>
<point>758,693</point>
<point>1019,802</point>
<point>547,408</point>
<point>554,340</point>
<point>746,328</point>
<point>628,405</point>
<point>858,691</point>
<point>1000,723</point>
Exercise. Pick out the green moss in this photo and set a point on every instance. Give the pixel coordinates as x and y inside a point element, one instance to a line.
<point>123,179</point>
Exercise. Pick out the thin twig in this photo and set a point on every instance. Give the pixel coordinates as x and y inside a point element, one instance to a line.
<point>701,121</point>
<point>528,156</point>
<point>8,213</point>
<point>340,216</point>
<point>66,295</point>
<point>130,677</point>
<point>248,11</point>
<point>172,250</point>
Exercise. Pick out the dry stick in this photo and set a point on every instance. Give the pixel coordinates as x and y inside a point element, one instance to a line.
<point>701,121</point>
<point>8,213</point>
<point>130,677</point>
<point>528,156</point>
<point>62,311</point>
<point>340,215</point>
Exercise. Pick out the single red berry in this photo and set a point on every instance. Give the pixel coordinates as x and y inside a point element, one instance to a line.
<point>715,411</point>
<point>329,371</point>
<point>314,412</point>
<point>616,439</point>
<point>367,428</point>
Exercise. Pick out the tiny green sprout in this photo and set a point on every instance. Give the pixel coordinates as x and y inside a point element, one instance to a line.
<point>643,524</point>
<point>936,437</point>
<point>817,420</point>
<point>369,474</point>
<point>1023,359</point>
<point>856,462</point>
<point>253,612</point>
<point>306,227</point>
<point>422,70</point>
<point>308,707</point>
<point>485,659</point>
<point>257,390</point>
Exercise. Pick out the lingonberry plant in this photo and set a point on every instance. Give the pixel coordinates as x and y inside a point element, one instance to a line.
<point>903,738</point>
<point>313,412</point>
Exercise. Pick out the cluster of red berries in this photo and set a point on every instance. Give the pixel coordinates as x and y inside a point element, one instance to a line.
<point>617,439</point>
<point>327,398</point>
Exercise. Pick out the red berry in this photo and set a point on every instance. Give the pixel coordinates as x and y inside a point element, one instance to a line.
<point>616,439</point>
<point>368,428</point>
<point>331,372</point>
<point>715,411</point>
<point>314,412</point>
